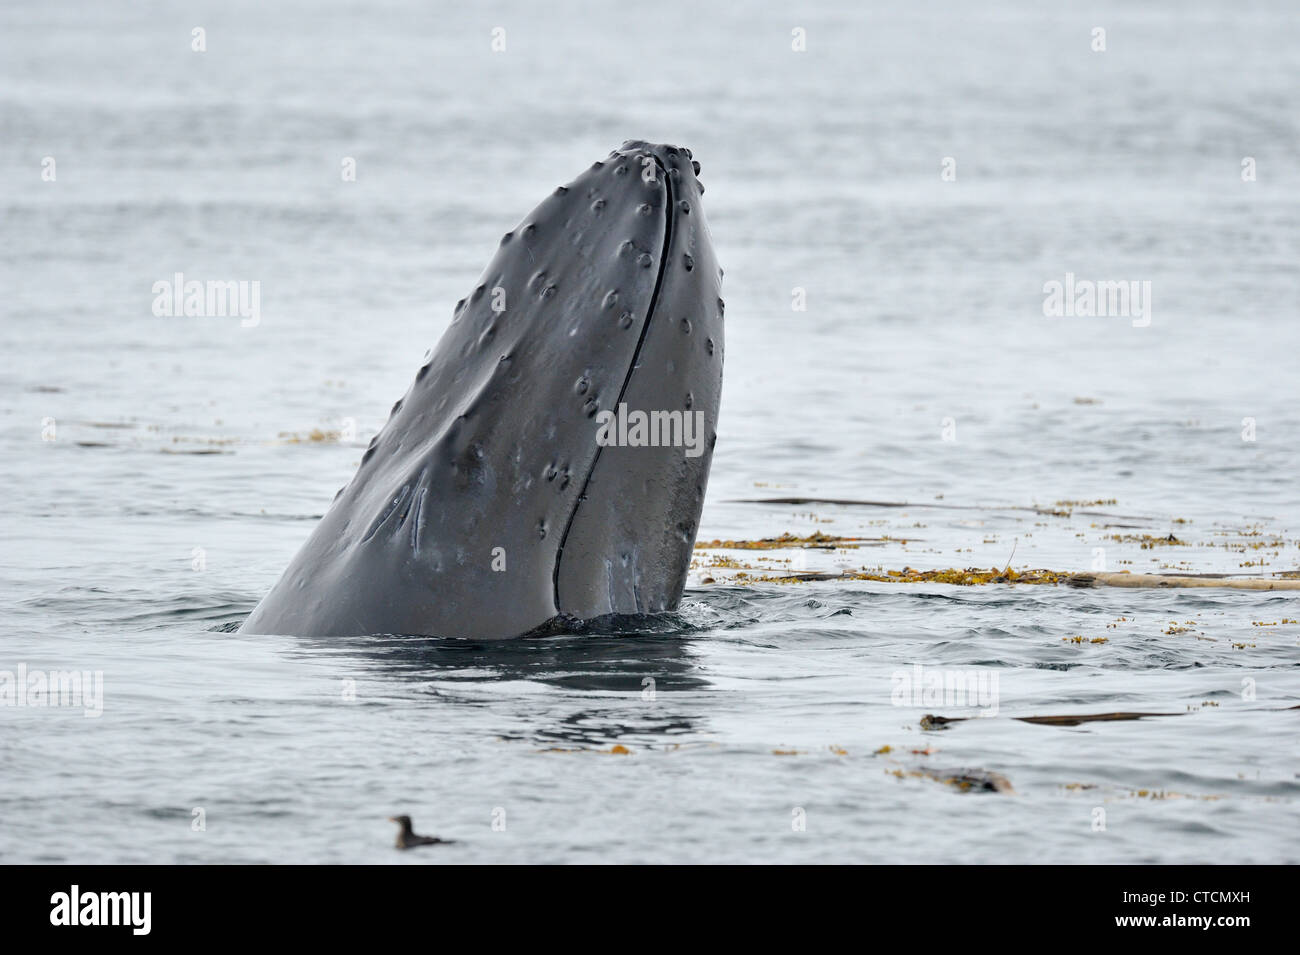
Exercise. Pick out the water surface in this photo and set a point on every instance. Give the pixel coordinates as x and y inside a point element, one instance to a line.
<point>183,473</point>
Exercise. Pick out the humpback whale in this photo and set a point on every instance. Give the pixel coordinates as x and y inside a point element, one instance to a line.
<point>550,459</point>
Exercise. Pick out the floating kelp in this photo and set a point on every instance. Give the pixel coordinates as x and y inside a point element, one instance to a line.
<point>968,577</point>
<point>788,541</point>
<point>1126,579</point>
<point>932,722</point>
<point>963,780</point>
<point>314,436</point>
<point>748,574</point>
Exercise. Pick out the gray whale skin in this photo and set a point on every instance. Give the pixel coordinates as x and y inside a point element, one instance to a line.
<point>488,507</point>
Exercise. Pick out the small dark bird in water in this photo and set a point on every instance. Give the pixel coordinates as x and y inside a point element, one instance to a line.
<point>406,839</point>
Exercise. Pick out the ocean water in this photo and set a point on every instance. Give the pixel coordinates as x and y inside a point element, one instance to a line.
<point>161,471</point>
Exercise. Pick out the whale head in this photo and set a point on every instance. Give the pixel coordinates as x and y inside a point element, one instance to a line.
<point>551,456</point>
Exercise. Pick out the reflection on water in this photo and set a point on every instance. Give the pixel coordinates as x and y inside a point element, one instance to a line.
<point>646,658</point>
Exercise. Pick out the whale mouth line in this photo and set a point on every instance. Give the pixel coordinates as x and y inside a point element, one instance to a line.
<point>669,206</point>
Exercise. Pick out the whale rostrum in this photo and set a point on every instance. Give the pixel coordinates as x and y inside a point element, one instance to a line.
<point>550,458</point>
